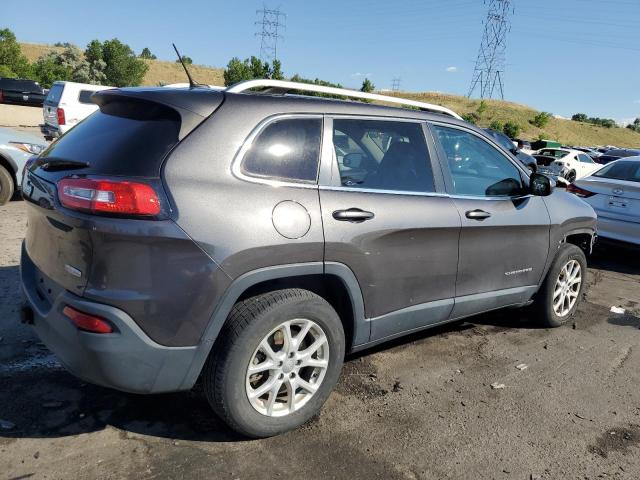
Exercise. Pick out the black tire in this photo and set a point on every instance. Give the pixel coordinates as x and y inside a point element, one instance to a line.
<point>224,374</point>
<point>543,304</point>
<point>571,176</point>
<point>6,186</point>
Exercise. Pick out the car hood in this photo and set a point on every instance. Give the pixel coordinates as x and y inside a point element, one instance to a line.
<point>10,135</point>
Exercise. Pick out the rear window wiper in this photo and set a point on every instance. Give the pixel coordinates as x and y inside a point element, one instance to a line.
<point>51,164</point>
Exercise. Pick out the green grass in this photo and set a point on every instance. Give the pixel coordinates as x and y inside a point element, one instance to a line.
<point>564,131</point>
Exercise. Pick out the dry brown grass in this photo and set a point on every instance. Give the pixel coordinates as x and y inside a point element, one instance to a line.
<point>564,131</point>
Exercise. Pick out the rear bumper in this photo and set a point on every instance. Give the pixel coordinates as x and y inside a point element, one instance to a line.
<point>49,130</point>
<point>126,360</point>
<point>619,230</point>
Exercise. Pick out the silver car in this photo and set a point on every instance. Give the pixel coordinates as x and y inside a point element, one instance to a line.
<point>614,193</point>
<point>15,149</point>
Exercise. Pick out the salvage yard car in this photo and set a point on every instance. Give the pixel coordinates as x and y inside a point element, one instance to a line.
<point>186,234</point>
<point>614,193</point>
<point>566,163</point>
<point>67,104</point>
<point>15,150</point>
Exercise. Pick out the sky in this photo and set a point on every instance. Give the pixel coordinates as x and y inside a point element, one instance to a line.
<point>563,56</point>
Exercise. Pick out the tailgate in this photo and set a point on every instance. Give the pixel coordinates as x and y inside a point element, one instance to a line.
<point>56,242</point>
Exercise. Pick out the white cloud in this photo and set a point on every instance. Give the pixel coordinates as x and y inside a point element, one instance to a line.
<point>637,101</point>
<point>452,69</point>
<point>623,122</point>
<point>358,74</point>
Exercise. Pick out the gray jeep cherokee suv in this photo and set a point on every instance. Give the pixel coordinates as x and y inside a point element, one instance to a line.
<point>251,239</point>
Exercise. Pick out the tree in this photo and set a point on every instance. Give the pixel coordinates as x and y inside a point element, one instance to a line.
<point>580,117</point>
<point>69,64</point>
<point>122,68</point>
<point>511,129</point>
<point>496,125</point>
<point>12,62</point>
<point>367,86</point>
<point>47,69</point>
<point>186,60</point>
<point>635,126</point>
<point>481,108</point>
<point>251,68</point>
<point>147,55</point>
<point>541,119</point>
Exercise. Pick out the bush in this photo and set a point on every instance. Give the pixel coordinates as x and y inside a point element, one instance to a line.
<point>541,119</point>
<point>147,55</point>
<point>367,86</point>
<point>71,64</point>
<point>472,117</point>
<point>635,126</point>
<point>481,108</point>
<point>580,117</point>
<point>186,60</point>
<point>511,129</point>
<point>496,125</point>
<point>601,122</point>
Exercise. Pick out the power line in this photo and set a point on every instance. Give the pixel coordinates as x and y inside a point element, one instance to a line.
<point>490,63</point>
<point>270,26</point>
<point>395,84</point>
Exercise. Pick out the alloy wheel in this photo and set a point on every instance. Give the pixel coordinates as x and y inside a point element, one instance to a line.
<point>567,288</point>
<point>287,368</point>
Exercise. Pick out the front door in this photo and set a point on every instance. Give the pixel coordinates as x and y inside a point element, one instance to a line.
<point>504,239</point>
<point>386,217</point>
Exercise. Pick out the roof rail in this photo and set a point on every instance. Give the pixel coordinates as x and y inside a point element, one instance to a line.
<point>281,86</point>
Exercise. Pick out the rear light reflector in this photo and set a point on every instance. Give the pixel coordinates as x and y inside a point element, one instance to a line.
<point>108,196</point>
<point>60,115</point>
<point>580,192</point>
<point>86,322</point>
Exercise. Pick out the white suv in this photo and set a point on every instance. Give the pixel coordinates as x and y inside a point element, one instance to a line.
<point>67,104</point>
<point>566,163</point>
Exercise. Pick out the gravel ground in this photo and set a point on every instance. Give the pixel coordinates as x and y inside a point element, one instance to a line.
<point>418,408</point>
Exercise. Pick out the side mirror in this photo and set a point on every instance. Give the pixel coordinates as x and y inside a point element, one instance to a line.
<point>352,160</point>
<point>540,185</point>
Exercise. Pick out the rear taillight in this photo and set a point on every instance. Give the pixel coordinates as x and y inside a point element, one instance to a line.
<point>86,322</point>
<point>60,115</point>
<point>580,192</point>
<point>109,196</point>
<point>1,97</point>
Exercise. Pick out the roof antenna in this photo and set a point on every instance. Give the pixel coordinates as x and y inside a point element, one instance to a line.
<point>192,84</point>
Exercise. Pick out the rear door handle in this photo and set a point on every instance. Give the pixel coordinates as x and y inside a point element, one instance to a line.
<point>477,214</point>
<point>353,215</point>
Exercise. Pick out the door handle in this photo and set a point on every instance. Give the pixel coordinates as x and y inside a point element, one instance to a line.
<point>477,214</point>
<point>352,215</point>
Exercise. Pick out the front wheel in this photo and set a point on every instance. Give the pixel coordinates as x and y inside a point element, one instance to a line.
<point>278,358</point>
<point>562,289</point>
<point>6,186</point>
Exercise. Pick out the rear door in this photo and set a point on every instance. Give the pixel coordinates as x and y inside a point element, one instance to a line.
<point>504,240</point>
<point>386,217</point>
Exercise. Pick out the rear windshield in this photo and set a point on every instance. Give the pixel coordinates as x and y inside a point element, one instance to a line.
<point>621,170</point>
<point>53,97</point>
<point>128,138</point>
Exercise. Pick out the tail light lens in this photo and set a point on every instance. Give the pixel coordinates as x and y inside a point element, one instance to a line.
<point>580,192</point>
<point>60,115</point>
<point>86,322</point>
<point>109,196</point>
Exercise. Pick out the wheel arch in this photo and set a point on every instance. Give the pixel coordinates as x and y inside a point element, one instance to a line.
<point>335,282</point>
<point>12,168</point>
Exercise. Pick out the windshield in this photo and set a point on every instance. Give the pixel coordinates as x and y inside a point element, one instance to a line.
<point>621,170</point>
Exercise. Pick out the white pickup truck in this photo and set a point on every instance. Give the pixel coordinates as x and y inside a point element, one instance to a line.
<point>67,104</point>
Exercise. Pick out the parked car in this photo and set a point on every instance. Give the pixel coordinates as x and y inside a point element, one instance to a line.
<point>614,193</point>
<point>505,142</point>
<point>185,234</point>
<point>66,105</point>
<point>15,149</point>
<point>21,91</point>
<point>566,163</point>
<point>616,154</point>
<point>589,151</point>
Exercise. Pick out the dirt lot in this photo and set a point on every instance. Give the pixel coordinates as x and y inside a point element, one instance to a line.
<point>20,117</point>
<point>421,407</point>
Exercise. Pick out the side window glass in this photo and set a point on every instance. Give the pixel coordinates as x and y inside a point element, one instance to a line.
<point>382,155</point>
<point>287,149</point>
<point>585,158</point>
<point>85,96</point>
<point>477,168</point>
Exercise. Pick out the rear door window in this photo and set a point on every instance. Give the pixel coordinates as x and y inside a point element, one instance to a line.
<point>286,149</point>
<point>382,155</point>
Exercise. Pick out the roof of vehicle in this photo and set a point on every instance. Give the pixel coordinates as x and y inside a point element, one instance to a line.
<point>623,151</point>
<point>86,86</point>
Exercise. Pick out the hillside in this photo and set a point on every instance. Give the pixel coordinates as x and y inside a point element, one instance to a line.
<point>565,131</point>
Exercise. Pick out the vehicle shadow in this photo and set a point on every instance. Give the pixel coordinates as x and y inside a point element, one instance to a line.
<point>616,257</point>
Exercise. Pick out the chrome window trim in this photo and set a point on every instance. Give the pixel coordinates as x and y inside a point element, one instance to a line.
<point>421,194</point>
<point>236,164</point>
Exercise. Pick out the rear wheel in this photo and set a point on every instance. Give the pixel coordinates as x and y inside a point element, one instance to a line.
<point>563,287</point>
<point>277,360</point>
<point>571,176</point>
<point>6,185</point>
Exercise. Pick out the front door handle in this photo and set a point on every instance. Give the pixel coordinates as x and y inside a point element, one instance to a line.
<point>477,214</point>
<point>352,215</point>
